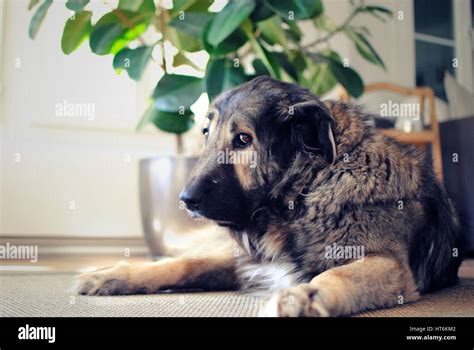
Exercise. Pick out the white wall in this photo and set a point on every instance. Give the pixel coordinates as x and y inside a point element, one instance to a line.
<point>393,40</point>
<point>66,159</point>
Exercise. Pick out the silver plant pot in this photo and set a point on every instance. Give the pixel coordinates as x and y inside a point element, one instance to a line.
<point>166,224</point>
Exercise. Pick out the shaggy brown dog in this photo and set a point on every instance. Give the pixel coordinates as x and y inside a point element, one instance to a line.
<point>332,218</point>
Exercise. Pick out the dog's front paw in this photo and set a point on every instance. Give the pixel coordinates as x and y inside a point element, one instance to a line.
<point>114,280</point>
<point>299,301</point>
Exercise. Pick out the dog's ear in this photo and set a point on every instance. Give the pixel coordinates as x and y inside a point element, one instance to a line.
<point>310,128</point>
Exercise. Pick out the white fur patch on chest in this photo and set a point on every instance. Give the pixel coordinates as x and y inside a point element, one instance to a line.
<point>268,276</point>
<point>266,248</point>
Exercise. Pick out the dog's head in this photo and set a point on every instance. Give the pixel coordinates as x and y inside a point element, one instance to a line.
<point>252,134</point>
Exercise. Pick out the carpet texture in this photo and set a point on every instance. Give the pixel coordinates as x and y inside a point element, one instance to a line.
<point>45,295</point>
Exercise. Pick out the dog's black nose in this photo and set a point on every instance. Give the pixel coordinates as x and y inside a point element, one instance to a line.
<point>191,201</point>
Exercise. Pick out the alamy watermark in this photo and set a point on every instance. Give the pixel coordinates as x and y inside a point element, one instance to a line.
<point>233,157</point>
<point>336,251</point>
<point>400,110</point>
<point>75,110</point>
<point>19,252</point>
<point>37,333</point>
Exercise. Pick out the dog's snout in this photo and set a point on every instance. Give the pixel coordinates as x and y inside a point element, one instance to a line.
<point>192,195</point>
<point>190,200</point>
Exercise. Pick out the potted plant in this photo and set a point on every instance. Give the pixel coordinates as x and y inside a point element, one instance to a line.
<point>243,39</point>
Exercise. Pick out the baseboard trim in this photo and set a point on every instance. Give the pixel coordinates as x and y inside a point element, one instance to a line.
<point>133,246</point>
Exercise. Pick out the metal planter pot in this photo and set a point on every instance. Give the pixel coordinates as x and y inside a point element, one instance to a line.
<point>166,224</point>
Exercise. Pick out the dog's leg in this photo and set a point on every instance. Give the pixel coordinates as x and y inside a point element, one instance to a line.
<point>372,282</point>
<point>217,273</point>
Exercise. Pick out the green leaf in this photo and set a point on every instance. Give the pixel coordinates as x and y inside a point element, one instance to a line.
<point>298,60</point>
<point>293,30</point>
<point>270,61</point>
<point>325,23</point>
<point>38,18</point>
<point>228,20</point>
<point>232,43</point>
<point>102,38</point>
<point>362,30</point>
<point>180,5</point>
<point>221,75</point>
<point>277,59</point>
<point>319,79</point>
<point>184,41</point>
<point>189,6</point>
<point>273,32</point>
<point>192,24</point>
<point>364,47</point>
<point>76,5</point>
<point>167,121</point>
<point>174,92</point>
<point>147,7</point>
<point>32,4</point>
<point>260,51</point>
<point>382,13</point>
<point>259,67</point>
<point>185,34</point>
<point>134,61</point>
<point>130,5</point>
<point>110,35</point>
<point>381,9</point>
<point>75,31</point>
<point>261,12</point>
<point>302,9</point>
<point>282,60</point>
<point>181,60</point>
<point>346,76</point>
<point>173,122</point>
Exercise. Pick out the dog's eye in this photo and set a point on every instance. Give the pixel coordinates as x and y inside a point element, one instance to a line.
<point>205,132</point>
<point>242,140</point>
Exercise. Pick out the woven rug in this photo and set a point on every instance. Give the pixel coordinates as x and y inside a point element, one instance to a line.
<point>45,295</point>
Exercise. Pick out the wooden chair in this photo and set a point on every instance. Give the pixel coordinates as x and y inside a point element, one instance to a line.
<point>421,138</point>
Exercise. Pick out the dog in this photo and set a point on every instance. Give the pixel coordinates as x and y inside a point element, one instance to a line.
<point>334,219</point>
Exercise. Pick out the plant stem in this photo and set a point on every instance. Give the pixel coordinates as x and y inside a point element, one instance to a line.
<point>163,18</point>
<point>320,78</point>
<point>125,21</point>
<point>179,144</point>
<point>247,27</point>
<point>340,28</point>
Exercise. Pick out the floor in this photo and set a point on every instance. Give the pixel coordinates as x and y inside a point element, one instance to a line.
<point>44,292</point>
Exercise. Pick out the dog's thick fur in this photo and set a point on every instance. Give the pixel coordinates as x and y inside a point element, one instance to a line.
<point>325,178</point>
